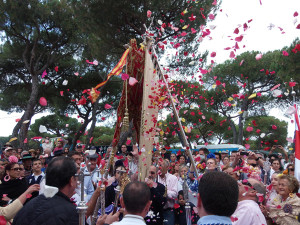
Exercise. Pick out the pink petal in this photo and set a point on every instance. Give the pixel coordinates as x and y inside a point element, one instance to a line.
<point>232,55</point>
<point>213,54</point>
<point>132,81</point>
<point>285,53</point>
<point>43,101</point>
<point>149,13</point>
<point>239,39</point>
<point>295,14</point>
<point>125,76</point>
<point>258,56</point>
<point>128,142</point>
<point>107,106</point>
<point>44,74</point>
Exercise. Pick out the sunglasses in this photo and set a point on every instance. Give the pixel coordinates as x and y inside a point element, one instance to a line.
<point>16,169</point>
<point>254,165</point>
<point>246,182</point>
<point>152,172</point>
<point>291,169</point>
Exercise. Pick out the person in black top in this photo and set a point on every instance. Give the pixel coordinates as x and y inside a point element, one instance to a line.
<point>11,186</point>
<point>155,214</point>
<point>56,208</point>
<point>180,214</point>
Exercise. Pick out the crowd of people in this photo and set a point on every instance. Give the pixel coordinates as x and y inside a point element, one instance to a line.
<point>41,186</point>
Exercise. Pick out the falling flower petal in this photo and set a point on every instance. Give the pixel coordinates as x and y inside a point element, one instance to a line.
<point>213,54</point>
<point>274,127</point>
<point>258,56</point>
<point>285,53</point>
<point>43,101</point>
<point>44,74</point>
<point>132,81</point>
<point>107,106</point>
<point>149,13</point>
<point>65,82</point>
<point>125,76</point>
<point>56,68</point>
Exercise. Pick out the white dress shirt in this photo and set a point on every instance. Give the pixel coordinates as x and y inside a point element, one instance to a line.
<point>248,212</point>
<point>171,182</point>
<point>130,219</point>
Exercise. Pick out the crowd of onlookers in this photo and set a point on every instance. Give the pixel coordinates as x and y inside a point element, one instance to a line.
<point>267,188</point>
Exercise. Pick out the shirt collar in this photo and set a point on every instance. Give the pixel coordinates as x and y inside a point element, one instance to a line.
<point>213,219</point>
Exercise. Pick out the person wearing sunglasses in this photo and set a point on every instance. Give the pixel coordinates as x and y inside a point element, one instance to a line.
<point>251,194</point>
<point>11,186</point>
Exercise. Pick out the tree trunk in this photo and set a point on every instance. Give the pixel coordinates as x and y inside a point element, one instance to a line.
<point>93,125</point>
<point>80,131</point>
<point>244,109</point>
<point>241,130</point>
<point>234,132</point>
<point>21,128</point>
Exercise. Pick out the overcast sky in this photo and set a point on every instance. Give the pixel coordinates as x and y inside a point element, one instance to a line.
<point>257,37</point>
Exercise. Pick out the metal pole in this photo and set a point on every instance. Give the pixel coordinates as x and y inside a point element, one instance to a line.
<point>82,207</point>
<point>186,145</point>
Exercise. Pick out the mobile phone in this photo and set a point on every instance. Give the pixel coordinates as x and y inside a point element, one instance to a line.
<point>244,153</point>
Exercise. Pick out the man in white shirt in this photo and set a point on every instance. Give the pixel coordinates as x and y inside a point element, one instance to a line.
<point>248,211</point>
<point>171,182</point>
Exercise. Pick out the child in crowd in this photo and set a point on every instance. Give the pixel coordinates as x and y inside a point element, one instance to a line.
<point>180,217</point>
<point>37,175</point>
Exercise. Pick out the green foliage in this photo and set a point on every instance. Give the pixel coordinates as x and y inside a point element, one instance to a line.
<point>56,125</point>
<point>103,136</point>
<point>263,125</point>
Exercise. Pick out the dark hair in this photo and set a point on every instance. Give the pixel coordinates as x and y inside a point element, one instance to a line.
<point>59,171</point>
<point>9,166</point>
<point>219,154</point>
<point>136,195</point>
<point>180,193</point>
<point>219,193</point>
<point>36,159</point>
<point>74,153</point>
<point>203,149</point>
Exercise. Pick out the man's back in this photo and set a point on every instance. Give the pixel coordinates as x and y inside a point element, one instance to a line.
<point>57,210</point>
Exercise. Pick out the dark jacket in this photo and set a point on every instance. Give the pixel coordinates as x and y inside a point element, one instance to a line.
<point>12,188</point>
<point>58,210</point>
<point>158,203</point>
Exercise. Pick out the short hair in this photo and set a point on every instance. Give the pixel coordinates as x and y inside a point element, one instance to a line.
<point>293,182</point>
<point>180,193</point>
<point>136,195</point>
<point>226,167</point>
<point>59,171</point>
<point>216,153</point>
<point>36,159</point>
<point>219,193</point>
<point>213,160</point>
<point>70,154</point>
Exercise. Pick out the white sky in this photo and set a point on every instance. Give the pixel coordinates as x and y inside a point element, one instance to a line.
<point>257,37</point>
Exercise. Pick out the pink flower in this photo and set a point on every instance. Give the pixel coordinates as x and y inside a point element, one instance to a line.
<point>258,56</point>
<point>285,53</point>
<point>149,13</point>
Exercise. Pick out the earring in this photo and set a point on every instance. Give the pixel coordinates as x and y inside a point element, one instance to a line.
<point>291,195</point>
<point>6,178</point>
